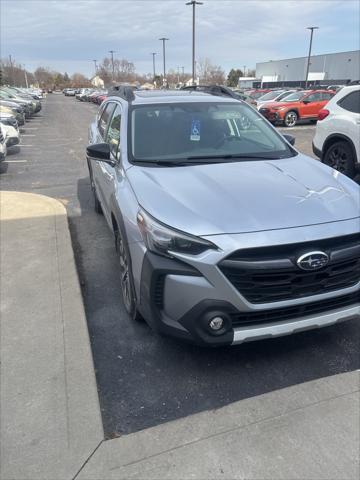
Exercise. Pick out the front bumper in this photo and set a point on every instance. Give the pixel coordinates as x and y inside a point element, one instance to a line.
<point>176,300</point>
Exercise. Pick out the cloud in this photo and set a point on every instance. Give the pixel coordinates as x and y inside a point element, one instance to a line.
<point>231,33</point>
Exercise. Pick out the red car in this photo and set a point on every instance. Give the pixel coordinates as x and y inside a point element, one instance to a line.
<point>302,105</point>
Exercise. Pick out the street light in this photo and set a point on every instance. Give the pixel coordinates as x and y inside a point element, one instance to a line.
<point>112,62</point>
<point>164,58</point>
<point>308,61</point>
<point>95,66</point>
<point>193,3</point>
<point>244,71</point>
<point>153,55</point>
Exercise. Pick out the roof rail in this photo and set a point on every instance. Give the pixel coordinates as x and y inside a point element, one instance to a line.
<point>217,90</point>
<point>124,91</point>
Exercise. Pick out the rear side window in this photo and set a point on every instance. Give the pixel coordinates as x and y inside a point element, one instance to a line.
<point>351,102</point>
<point>105,118</point>
<point>326,96</point>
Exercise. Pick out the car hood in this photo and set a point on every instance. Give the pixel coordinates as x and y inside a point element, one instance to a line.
<point>247,196</point>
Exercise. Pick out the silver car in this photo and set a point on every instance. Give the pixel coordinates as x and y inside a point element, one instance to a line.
<point>225,233</point>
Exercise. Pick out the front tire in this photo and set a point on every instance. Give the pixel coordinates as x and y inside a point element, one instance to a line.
<point>290,119</point>
<point>126,278</point>
<point>340,157</point>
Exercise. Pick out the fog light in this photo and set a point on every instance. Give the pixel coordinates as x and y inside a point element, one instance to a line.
<point>216,323</point>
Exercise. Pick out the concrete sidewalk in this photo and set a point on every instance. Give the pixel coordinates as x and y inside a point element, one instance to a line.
<point>50,418</point>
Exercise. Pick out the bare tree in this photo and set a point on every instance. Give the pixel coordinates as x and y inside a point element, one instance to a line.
<point>209,73</point>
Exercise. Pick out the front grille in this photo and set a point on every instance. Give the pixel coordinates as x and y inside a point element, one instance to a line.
<point>270,274</point>
<point>297,311</point>
<point>1,137</point>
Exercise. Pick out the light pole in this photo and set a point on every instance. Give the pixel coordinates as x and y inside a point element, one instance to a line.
<point>153,55</point>
<point>244,71</point>
<point>308,61</point>
<point>193,3</point>
<point>163,39</point>
<point>112,62</point>
<point>95,63</point>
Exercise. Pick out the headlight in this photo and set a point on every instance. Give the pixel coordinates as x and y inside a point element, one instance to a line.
<point>278,108</point>
<point>163,240</point>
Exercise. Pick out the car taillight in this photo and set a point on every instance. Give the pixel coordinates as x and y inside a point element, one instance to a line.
<point>323,114</point>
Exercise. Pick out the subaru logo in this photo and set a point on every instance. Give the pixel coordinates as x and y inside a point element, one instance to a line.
<point>312,261</point>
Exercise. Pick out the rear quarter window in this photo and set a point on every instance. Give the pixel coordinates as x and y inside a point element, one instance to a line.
<point>351,102</point>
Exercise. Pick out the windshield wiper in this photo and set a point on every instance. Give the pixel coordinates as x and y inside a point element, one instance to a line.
<point>198,160</point>
<point>232,156</point>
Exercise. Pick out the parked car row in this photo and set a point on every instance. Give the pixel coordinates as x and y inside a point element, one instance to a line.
<point>86,94</point>
<point>289,108</point>
<point>16,105</point>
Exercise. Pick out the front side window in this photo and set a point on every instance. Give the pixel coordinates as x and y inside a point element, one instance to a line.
<point>113,133</point>
<point>314,97</point>
<point>105,118</point>
<point>351,102</point>
<point>195,131</point>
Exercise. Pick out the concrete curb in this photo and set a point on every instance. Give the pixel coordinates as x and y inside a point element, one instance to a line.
<point>308,431</point>
<point>50,415</point>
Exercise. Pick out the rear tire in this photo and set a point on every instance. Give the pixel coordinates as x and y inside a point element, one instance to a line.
<point>340,157</point>
<point>290,119</point>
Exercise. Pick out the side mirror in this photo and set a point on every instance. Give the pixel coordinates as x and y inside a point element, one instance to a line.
<point>100,152</point>
<point>306,101</point>
<point>289,138</point>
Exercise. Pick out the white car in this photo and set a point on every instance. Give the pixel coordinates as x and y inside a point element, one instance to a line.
<point>274,96</point>
<point>12,136</point>
<point>3,148</point>
<point>337,137</point>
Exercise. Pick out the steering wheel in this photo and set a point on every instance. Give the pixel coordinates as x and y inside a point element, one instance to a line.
<point>230,138</point>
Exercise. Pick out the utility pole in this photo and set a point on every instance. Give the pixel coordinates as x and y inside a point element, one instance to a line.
<point>183,72</point>
<point>193,3</point>
<point>112,63</point>
<point>154,71</point>
<point>308,61</point>
<point>11,69</point>
<point>164,57</point>
<point>244,71</point>
<point>178,70</point>
<point>26,79</point>
<point>95,63</point>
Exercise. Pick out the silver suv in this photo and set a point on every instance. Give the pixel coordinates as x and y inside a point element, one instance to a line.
<point>225,233</point>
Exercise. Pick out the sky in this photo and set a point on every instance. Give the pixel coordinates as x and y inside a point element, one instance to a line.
<point>66,35</point>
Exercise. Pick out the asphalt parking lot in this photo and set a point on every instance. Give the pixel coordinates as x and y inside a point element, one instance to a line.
<point>144,379</point>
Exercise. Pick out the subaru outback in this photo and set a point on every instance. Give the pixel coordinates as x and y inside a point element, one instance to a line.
<point>225,233</point>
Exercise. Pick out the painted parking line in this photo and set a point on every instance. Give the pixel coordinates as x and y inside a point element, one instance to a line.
<point>28,135</point>
<point>16,161</point>
<point>22,145</point>
<point>30,128</point>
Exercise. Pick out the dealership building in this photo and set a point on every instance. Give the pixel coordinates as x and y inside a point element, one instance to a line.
<point>342,66</point>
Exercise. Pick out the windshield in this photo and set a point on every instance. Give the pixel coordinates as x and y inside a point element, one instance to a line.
<point>182,131</point>
<point>270,96</point>
<point>294,97</point>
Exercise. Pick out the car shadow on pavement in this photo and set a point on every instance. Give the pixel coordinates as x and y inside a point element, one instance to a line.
<point>145,379</point>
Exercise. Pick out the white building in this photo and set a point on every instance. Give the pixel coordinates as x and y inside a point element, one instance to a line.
<point>330,66</point>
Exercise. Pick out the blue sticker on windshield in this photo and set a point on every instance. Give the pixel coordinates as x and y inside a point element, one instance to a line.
<point>195,131</point>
